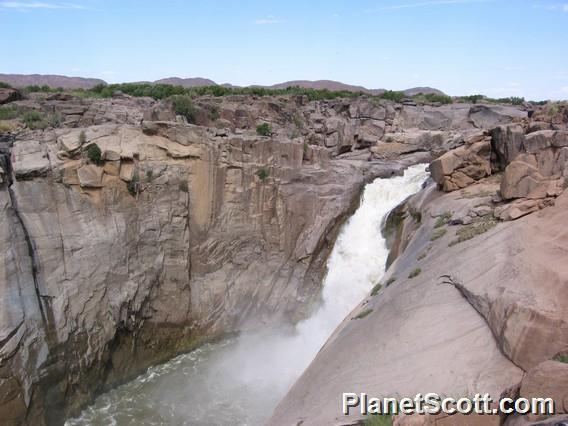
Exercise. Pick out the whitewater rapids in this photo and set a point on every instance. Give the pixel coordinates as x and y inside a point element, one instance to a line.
<point>240,381</point>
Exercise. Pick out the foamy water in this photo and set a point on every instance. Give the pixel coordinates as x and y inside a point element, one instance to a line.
<point>240,381</point>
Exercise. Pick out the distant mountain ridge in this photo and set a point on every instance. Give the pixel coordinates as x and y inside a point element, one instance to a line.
<point>22,80</point>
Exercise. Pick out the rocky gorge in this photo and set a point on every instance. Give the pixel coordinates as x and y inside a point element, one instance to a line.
<point>171,234</point>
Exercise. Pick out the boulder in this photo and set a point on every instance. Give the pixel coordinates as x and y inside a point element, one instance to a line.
<point>542,139</point>
<point>112,168</point>
<point>507,142</point>
<point>520,208</point>
<point>462,166</point>
<point>71,142</point>
<point>548,379</point>
<point>90,176</point>
<point>127,171</point>
<point>29,159</point>
<point>520,178</point>
<point>9,95</point>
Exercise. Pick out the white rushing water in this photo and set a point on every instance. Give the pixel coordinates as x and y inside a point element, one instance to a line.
<point>240,381</point>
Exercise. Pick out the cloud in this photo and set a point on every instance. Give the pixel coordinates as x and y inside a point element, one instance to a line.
<point>266,21</point>
<point>554,7</point>
<point>426,4</point>
<point>24,6</point>
<point>269,20</point>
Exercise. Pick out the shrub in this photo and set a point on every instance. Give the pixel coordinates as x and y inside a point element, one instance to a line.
<point>262,174</point>
<point>6,127</point>
<point>183,186</point>
<point>422,255</point>
<point>82,138</point>
<point>443,99</point>
<point>392,95</point>
<point>149,175</point>
<point>134,183</point>
<point>264,129</point>
<point>94,154</point>
<point>376,289</point>
<point>378,420</point>
<point>390,281</point>
<point>4,85</point>
<point>213,113</point>
<point>415,273</point>
<point>184,106</point>
<point>438,233</point>
<point>416,215</point>
<point>470,231</point>
<point>443,219</point>
<point>8,112</point>
<point>34,120</point>
<point>562,358</point>
<point>363,313</point>
<point>472,99</point>
<point>54,120</point>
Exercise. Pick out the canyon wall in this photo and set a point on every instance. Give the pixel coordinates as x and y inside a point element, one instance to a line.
<point>177,233</point>
<point>474,299</point>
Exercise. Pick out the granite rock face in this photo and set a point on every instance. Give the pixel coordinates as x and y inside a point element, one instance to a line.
<point>183,232</point>
<point>474,297</point>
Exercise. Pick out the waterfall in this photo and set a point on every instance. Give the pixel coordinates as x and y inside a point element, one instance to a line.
<point>240,381</point>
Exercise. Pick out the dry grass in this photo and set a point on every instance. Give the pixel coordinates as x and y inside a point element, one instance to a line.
<point>472,230</point>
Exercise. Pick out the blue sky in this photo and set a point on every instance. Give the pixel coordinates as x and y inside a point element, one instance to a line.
<point>495,47</point>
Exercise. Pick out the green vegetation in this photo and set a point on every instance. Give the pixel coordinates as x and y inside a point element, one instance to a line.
<point>443,219</point>
<point>562,358</point>
<point>416,215</point>
<point>4,85</point>
<point>184,106</point>
<point>34,120</point>
<point>163,91</point>
<point>438,233</point>
<point>470,231</point>
<point>363,313</point>
<point>94,154</point>
<point>82,138</point>
<point>183,186</point>
<point>213,113</point>
<point>392,95</point>
<point>434,98</point>
<point>8,112</point>
<point>378,420</point>
<point>415,273</point>
<point>376,289</point>
<point>54,120</point>
<point>134,184</point>
<point>42,89</point>
<point>149,175</point>
<point>262,174</point>
<point>471,99</point>
<point>264,129</point>
<point>513,100</point>
<point>390,281</point>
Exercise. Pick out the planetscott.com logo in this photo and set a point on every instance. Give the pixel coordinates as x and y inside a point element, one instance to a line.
<point>432,403</point>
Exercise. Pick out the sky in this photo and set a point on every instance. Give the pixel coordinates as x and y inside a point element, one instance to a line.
<point>495,47</point>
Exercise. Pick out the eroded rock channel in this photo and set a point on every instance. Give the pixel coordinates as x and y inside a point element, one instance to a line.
<point>180,234</point>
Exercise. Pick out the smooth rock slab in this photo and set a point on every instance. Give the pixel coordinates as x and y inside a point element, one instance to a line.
<point>90,176</point>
